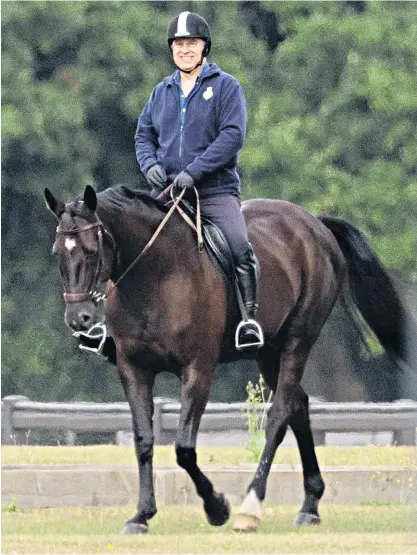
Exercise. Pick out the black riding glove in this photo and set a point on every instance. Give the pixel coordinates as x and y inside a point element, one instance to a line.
<point>156,176</point>
<point>184,181</point>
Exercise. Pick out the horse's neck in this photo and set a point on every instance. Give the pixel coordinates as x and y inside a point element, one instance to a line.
<point>132,232</point>
<point>122,223</point>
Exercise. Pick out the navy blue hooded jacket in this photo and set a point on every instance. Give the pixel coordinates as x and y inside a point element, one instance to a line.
<point>204,139</point>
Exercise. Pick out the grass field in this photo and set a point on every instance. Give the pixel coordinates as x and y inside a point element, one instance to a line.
<point>366,529</point>
<point>372,455</point>
<point>372,528</point>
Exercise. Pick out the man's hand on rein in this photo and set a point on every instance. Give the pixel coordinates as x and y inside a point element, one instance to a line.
<point>156,176</point>
<point>184,181</point>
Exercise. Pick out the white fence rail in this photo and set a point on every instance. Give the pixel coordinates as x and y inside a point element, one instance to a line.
<point>20,414</point>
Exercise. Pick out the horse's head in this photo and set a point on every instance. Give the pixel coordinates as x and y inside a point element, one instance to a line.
<point>84,253</point>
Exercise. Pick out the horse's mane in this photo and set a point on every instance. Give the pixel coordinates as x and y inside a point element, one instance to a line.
<point>126,198</point>
<point>123,198</point>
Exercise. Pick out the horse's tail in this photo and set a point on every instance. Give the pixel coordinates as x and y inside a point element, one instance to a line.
<point>373,292</point>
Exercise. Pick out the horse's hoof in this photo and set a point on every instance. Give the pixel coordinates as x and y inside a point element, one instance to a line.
<point>306,519</point>
<point>248,517</point>
<point>217,510</point>
<point>246,523</point>
<point>135,528</point>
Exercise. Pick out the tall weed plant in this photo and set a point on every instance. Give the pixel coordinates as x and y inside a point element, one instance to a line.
<point>256,411</point>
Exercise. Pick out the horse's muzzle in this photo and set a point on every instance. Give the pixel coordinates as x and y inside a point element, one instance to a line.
<point>80,316</point>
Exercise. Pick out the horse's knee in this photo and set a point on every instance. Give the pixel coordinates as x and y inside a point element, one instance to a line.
<point>145,448</point>
<point>277,420</point>
<point>299,411</point>
<point>301,398</point>
<point>186,457</point>
<point>315,485</point>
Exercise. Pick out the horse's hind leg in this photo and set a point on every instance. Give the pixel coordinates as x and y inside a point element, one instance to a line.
<point>194,395</point>
<point>291,366</point>
<point>313,481</point>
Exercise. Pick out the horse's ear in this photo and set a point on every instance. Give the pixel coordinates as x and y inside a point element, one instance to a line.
<point>90,198</point>
<point>57,207</point>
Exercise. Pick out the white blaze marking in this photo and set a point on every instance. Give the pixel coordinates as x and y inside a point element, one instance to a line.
<point>70,243</point>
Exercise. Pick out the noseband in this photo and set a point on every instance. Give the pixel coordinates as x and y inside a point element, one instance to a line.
<point>91,295</point>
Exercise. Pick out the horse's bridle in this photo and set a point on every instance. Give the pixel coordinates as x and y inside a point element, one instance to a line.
<point>92,295</point>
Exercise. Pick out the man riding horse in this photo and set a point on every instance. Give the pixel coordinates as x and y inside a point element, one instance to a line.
<point>189,134</point>
<point>153,310</point>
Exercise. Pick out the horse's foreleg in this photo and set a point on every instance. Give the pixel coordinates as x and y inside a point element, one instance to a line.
<point>313,481</point>
<point>194,395</point>
<point>291,368</point>
<point>138,387</point>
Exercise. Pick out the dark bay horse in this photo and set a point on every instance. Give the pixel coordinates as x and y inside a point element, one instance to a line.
<point>169,314</point>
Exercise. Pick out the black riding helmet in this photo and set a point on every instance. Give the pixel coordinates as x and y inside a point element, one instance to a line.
<point>189,25</point>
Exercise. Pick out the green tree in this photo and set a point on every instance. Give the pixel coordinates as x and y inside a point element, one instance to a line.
<point>336,126</point>
<point>332,126</point>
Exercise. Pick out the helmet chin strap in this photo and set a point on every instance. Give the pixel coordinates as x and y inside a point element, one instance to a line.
<point>191,70</point>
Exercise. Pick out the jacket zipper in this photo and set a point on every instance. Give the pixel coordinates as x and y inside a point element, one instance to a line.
<point>182,114</point>
<point>181,128</point>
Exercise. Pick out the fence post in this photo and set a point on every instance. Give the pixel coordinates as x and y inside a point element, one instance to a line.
<point>157,421</point>
<point>404,437</point>
<point>10,436</point>
<point>70,437</point>
<point>319,437</point>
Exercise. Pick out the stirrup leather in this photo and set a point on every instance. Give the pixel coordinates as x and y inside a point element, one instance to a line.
<point>98,332</point>
<point>257,330</point>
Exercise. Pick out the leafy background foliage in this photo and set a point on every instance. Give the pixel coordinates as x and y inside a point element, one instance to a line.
<point>332,99</point>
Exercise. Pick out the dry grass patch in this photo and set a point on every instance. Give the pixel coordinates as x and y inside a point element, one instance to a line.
<point>226,543</point>
<point>372,455</point>
<point>376,529</point>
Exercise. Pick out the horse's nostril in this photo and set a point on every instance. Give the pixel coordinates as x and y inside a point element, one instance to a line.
<point>80,320</point>
<point>85,318</point>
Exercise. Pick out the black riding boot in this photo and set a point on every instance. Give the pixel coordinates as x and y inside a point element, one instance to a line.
<point>249,335</point>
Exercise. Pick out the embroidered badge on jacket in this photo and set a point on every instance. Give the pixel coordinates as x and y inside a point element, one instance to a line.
<point>208,93</point>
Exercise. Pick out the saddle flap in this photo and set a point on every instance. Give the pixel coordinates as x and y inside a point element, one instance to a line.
<point>215,243</point>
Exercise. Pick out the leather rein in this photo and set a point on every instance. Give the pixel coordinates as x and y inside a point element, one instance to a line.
<point>94,295</point>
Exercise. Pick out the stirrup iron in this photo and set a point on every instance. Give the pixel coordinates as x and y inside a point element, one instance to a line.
<point>98,332</point>
<point>240,346</point>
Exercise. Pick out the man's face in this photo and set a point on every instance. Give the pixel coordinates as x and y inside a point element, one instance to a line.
<point>187,52</point>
